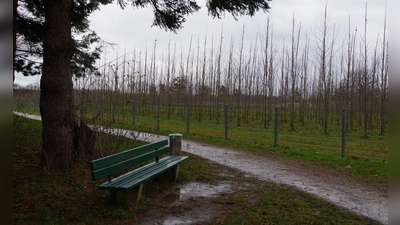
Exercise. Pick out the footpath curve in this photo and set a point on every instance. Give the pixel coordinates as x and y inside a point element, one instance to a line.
<point>345,192</point>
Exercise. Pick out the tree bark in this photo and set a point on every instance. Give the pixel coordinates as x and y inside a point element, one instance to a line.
<point>56,100</point>
<point>15,7</point>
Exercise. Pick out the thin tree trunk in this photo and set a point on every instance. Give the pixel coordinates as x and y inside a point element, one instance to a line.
<point>240,76</point>
<point>384,82</point>
<point>365,78</point>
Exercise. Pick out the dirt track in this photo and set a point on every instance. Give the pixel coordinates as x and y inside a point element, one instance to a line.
<point>356,196</point>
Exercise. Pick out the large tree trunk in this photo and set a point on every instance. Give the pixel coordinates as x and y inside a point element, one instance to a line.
<point>56,99</point>
<point>15,7</point>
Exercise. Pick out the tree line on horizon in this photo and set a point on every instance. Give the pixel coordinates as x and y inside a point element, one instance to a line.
<point>307,79</point>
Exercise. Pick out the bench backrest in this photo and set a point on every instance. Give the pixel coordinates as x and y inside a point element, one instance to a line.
<point>115,163</point>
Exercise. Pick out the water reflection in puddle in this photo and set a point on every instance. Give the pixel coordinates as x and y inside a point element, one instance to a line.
<point>175,221</point>
<point>192,190</point>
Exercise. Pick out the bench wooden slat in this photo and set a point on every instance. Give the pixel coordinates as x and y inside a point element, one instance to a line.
<point>115,158</point>
<point>120,166</point>
<point>151,174</point>
<point>134,178</point>
<point>121,179</point>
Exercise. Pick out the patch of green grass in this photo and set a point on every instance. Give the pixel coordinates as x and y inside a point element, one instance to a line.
<point>196,169</point>
<point>370,170</point>
<point>44,215</point>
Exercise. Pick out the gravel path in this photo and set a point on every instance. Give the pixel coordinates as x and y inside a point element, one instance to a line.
<point>358,197</point>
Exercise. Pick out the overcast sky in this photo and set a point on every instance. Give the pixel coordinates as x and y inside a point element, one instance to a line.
<point>131,29</point>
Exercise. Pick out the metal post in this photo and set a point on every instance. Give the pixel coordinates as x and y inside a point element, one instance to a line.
<point>226,121</point>
<point>175,149</point>
<point>82,111</point>
<point>113,112</point>
<point>175,144</point>
<point>344,119</point>
<point>276,126</point>
<point>97,109</point>
<point>188,119</point>
<point>133,113</point>
<point>158,116</point>
<point>217,117</point>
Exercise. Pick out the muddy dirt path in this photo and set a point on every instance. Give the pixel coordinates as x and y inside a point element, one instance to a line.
<point>358,197</point>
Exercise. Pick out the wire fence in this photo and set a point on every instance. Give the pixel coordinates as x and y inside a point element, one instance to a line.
<point>259,126</point>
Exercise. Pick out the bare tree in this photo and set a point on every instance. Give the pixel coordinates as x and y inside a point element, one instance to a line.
<point>365,75</point>
<point>349,77</point>
<point>229,82</point>
<point>254,85</point>
<point>331,74</point>
<point>211,80</point>
<point>266,72</point>
<point>372,99</point>
<point>239,76</point>
<point>284,85</point>
<point>188,73</point>
<point>304,81</point>
<point>203,80</point>
<point>271,75</point>
<point>167,82</point>
<point>322,53</point>
<point>218,83</point>
<point>384,77</point>
<point>293,72</point>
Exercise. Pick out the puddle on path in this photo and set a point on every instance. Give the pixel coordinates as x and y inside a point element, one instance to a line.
<point>190,190</point>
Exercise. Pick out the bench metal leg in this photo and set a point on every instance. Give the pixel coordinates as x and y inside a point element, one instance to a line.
<point>126,197</point>
<point>174,173</point>
<point>170,175</point>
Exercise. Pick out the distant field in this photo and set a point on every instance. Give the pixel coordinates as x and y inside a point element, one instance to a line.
<point>251,134</point>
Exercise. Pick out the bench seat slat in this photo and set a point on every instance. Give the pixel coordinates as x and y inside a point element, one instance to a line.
<point>120,166</point>
<point>142,174</point>
<point>115,158</point>
<point>129,175</point>
<point>149,175</point>
<point>154,170</point>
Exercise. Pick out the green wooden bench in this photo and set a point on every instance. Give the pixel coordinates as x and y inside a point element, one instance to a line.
<point>127,187</point>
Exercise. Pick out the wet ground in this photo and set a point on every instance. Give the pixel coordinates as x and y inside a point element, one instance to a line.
<point>184,192</point>
<point>356,196</point>
<point>192,196</point>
